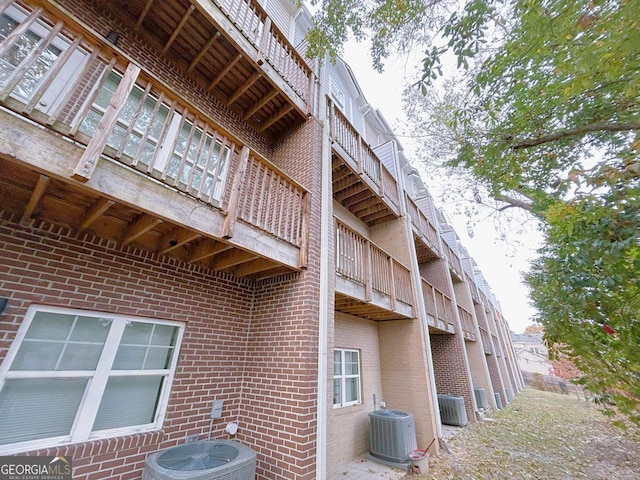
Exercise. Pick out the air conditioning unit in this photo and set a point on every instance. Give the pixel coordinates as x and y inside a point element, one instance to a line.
<point>481,397</point>
<point>392,435</point>
<point>498,400</point>
<point>452,410</point>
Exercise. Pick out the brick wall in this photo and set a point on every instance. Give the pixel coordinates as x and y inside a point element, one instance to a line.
<point>269,391</point>
<point>450,370</point>
<point>348,435</point>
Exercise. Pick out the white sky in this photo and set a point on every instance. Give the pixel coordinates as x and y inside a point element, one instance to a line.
<point>501,269</point>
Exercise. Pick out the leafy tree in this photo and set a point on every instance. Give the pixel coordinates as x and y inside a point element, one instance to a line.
<point>543,115</point>
<point>535,328</point>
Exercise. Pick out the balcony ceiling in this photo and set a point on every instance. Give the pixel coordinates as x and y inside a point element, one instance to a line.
<point>29,195</point>
<point>423,251</point>
<point>187,38</point>
<point>370,311</point>
<point>352,192</point>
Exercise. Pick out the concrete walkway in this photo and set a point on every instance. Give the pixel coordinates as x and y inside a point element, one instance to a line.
<point>363,469</point>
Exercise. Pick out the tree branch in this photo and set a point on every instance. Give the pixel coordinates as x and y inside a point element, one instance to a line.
<point>601,127</point>
<point>513,202</point>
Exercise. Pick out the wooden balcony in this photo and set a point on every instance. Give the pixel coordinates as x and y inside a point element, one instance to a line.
<point>101,147</point>
<point>425,233</point>
<point>498,348</point>
<point>466,320</point>
<point>486,341</point>
<point>233,50</point>
<point>439,308</point>
<point>455,265</point>
<point>475,295</point>
<point>370,283</point>
<point>361,182</point>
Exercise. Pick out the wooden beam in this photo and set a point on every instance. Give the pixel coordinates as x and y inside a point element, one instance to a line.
<point>176,238</point>
<point>304,230</point>
<point>231,259</point>
<point>263,101</point>
<point>178,29</point>
<point>36,196</point>
<point>205,249</point>
<point>234,197</point>
<point>87,163</point>
<point>238,93</point>
<point>145,10</point>
<point>203,52</point>
<point>264,41</point>
<point>283,111</point>
<point>94,212</point>
<point>139,227</point>
<point>224,71</point>
<point>254,266</point>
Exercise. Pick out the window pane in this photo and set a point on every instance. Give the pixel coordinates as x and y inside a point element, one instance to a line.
<point>128,401</point>
<point>352,388</point>
<point>50,326</point>
<point>337,394</point>
<point>337,362</point>
<point>158,357</point>
<point>137,333</point>
<point>351,363</point>
<point>38,408</point>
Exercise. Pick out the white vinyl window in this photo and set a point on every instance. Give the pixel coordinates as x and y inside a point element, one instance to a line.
<point>73,375</point>
<point>337,94</point>
<point>346,378</point>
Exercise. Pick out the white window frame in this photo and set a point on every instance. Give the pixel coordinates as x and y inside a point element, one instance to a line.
<point>338,95</point>
<point>342,377</point>
<point>87,410</point>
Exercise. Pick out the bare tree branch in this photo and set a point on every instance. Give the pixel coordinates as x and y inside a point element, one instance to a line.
<point>603,127</point>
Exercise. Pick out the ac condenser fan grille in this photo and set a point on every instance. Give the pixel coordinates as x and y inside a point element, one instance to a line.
<point>197,456</point>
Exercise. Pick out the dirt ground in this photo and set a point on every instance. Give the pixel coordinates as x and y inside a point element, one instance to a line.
<point>540,435</point>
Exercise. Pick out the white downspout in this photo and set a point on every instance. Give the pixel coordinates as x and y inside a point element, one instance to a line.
<point>326,236</point>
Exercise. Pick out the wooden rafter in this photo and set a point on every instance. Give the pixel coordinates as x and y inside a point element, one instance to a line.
<point>224,71</point>
<point>205,249</point>
<point>36,196</point>
<point>263,101</point>
<point>176,238</point>
<point>203,52</point>
<point>244,87</point>
<point>139,227</point>
<point>344,193</point>
<point>233,258</point>
<point>179,28</point>
<point>283,111</point>
<point>95,211</point>
<point>145,10</point>
<point>254,266</point>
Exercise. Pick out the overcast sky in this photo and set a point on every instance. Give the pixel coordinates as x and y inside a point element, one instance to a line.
<point>502,265</point>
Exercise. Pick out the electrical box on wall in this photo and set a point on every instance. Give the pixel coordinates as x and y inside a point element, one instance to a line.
<point>216,408</point>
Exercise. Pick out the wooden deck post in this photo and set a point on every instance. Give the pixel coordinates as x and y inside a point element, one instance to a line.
<point>368,275</point>
<point>304,230</point>
<point>264,41</point>
<point>234,198</point>
<point>89,159</point>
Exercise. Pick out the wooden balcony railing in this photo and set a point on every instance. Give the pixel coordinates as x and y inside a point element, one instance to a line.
<point>365,161</point>
<point>475,295</point>
<point>273,47</point>
<point>63,83</point>
<point>439,308</point>
<point>486,341</point>
<point>497,345</point>
<point>454,260</point>
<point>466,319</point>
<point>423,226</point>
<point>361,261</point>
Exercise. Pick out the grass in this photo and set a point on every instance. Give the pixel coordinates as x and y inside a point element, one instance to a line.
<point>540,435</point>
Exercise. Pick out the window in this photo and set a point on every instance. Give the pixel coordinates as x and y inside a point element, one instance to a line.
<point>337,94</point>
<point>191,157</point>
<point>73,375</point>
<point>24,53</point>
<point>346,378</point>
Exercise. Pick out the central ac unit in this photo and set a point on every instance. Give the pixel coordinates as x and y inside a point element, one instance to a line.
<point>392,435</point>
<point>481,397</point>
<point>452,410</point>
